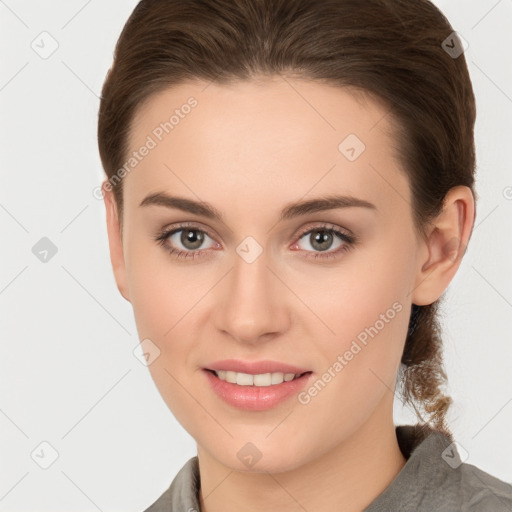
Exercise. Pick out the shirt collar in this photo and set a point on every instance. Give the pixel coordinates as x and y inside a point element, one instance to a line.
<point>423,447</point>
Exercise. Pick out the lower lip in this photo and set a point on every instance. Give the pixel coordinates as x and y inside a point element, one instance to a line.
<point>256,398</point>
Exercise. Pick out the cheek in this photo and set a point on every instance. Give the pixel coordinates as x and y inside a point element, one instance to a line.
<point>152,300</point>
<point>360,362</point>
<point>157,287</point>
<point>164,307</point>
<point>166,300</point>
<point>365,309</point>
<point>356,295</point>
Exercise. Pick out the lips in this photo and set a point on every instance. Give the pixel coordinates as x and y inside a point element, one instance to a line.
<point>255,367</point>
<point>256,398</point>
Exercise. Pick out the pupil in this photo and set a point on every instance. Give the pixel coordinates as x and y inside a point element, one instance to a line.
<point>321,239</point>
<point>192,236</point>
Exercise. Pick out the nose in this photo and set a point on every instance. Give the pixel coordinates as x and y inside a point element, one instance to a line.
<point>252,304</point>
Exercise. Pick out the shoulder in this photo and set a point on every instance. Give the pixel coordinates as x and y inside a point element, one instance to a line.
<point>183,493</point>
<point>458,485</point>
<point>480,491</point>
<point>435,478</point>
<point>461,488</point>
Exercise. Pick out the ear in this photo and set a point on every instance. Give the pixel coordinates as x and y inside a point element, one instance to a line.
<point>445,246</point>
<point>114,239</point>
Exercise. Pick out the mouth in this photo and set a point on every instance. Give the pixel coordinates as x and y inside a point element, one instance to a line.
<point>256,380</point>
<point>256,392</point>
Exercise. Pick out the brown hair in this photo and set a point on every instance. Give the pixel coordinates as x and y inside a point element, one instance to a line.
<point>390,49</point>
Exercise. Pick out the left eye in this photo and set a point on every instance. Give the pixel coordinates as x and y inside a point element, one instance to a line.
<point>321,239</point>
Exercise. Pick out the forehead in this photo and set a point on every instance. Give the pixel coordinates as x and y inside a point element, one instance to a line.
<point>295,105</point>
<point>269,138</point>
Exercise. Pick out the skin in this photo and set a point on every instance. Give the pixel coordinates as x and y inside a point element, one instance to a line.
<point>249,149</point>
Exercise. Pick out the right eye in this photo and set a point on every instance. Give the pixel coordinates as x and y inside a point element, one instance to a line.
<point>188,236</point>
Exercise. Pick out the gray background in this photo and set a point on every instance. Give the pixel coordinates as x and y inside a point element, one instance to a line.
<point>68,373</point>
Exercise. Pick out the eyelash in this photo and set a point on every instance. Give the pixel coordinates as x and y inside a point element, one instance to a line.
<point>349,241</point>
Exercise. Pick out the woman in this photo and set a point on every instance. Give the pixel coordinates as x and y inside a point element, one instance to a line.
<point>290,192</point>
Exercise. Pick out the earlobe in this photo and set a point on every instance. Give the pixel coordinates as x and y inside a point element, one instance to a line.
<point>115,240</point>
<point>446,245</point>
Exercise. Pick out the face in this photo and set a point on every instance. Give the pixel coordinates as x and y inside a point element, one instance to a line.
<point>325,289</point>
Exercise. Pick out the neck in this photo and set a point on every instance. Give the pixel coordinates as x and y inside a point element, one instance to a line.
<point>352,474</point>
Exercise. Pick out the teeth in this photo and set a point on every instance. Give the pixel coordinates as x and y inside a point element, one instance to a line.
<point>262,379</point>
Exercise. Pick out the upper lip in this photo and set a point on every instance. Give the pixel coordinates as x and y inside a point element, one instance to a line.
<point>255,367</point>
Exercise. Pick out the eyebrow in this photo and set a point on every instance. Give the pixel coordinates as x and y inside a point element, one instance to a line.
<point>290,211</point>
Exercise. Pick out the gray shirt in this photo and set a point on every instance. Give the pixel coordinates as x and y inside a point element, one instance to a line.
<point>433,479</point>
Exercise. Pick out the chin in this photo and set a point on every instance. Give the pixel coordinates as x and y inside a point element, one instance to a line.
<point>250,459</point>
